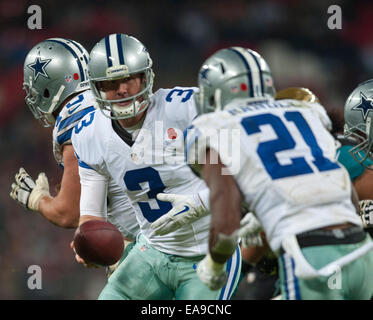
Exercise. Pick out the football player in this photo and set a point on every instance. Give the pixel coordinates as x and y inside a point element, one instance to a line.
<point>357,146</point>
<point>57,93</point>
<point>136,138</point>
<point>260,263</point>
<point>287,176</point>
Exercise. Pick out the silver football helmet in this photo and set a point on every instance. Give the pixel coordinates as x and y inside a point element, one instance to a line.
<point>119,56</point>
<point>230,74</point>
<point>53,70</point>
<point>358,114</point>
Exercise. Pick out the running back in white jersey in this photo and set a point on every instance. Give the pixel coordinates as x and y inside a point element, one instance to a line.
<point>118,203</point>
<point>155,163</point>
<point>283,162</point>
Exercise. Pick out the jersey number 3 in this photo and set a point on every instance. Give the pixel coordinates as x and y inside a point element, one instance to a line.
<point>267,150</point>
<point>133,180</point>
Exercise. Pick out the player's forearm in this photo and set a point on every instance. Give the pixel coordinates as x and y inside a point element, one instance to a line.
<point>61,213</point>
<point>364,185</point>
<point>225,220</point>
<point>225,200</point>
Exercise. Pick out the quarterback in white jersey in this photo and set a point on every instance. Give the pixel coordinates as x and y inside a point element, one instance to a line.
<point>137,140</point>
<point>142,170</point>
<point>284,172</point>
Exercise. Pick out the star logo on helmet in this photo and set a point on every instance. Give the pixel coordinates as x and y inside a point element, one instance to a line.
<point>38,67</point>
<point>364,106</point>
<point>204,73</point>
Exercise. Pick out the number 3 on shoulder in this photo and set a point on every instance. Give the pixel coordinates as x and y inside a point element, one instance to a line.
<point>84,123</point>
<point>180,93</point>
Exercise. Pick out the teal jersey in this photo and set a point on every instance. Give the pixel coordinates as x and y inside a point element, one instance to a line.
<point>354,168</point>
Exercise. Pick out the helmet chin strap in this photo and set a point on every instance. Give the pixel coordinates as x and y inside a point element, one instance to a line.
<point>48,115</point>
<point>217,98</point>
<point>119,110</point>
<point>127,110</point>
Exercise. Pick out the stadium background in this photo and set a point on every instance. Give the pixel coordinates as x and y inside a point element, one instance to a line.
<point>291,35</point>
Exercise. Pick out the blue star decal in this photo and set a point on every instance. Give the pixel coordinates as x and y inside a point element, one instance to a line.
<point>204,73</point>
<point>364,106</point>
<point>38,67</point>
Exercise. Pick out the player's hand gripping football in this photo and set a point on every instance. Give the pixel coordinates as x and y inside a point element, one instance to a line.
<point>366,213</point>
<point>28,192</point>
<point>80,260</point>
<point>186,209</point>
<point>249,231</point>
<point>211,273</point>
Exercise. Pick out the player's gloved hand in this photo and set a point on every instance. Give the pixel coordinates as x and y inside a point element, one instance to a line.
<point>249,231</point>
<point>211,273</point>
<point>366,213</point>
<point>27,192</point>
<point>186,209</point>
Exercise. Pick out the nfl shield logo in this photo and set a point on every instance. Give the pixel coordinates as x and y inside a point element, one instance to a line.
<point>234,89</point>
<point>68,78</point>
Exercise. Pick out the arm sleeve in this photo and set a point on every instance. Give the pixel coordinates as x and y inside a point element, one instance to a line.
<point>93,198</point>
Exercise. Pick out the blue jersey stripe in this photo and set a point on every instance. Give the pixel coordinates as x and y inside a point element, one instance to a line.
<point>75,117</point>
<point>81,163</point>
<point>108,52</point>
<point>82,76</point>
<point>65,136</point>
<point>296,284</point>
<point>237,267</point>
<point>58,119</point>
<point>84,165</point>
<point>285,277</point>
<point>228,268</point>
<point>120,49</point>
<point>251,93</point>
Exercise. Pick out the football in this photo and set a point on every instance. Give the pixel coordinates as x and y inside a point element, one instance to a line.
<point>99,242</point>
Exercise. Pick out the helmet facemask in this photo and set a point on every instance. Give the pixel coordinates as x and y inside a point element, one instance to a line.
<point>34,100</point>
<point>358,112</point>
<point>363,150</point>
<point>136,106</point>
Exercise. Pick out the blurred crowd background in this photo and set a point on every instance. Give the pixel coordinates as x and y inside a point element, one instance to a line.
<point>293,36</point>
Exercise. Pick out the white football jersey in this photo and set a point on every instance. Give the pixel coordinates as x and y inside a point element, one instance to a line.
<point>155,163</point>
<point>119,210</point>
<point>68,118</point>
<point>282,159</point>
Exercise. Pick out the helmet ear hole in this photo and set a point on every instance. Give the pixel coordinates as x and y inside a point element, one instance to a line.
<point>46,93</point>
<point>211,101</point>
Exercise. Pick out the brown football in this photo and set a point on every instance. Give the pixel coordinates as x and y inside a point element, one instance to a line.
<point>99,242</point>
